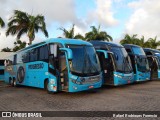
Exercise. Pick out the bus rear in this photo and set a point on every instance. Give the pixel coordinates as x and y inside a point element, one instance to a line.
<point>56,65</point>
<point>139,61</point>
<point>117,69</point>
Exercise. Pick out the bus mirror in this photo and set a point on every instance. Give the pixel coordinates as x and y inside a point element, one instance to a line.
<point>104,52</point>
<point>69,52</point>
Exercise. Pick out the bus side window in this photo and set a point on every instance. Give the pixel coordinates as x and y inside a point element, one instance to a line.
<point>34,55</point>
<point>43,53</point>
<point>25,57</point>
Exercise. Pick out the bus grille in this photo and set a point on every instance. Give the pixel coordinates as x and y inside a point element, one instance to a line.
<point>92,80</point>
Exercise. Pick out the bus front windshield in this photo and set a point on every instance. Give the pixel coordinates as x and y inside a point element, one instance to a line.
<point>142,64</point>
<point>138,51</point>
<point>85,61</point>
<point>123,63</point>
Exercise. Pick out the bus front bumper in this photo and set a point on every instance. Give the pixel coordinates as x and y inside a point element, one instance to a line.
<point>84,87</point>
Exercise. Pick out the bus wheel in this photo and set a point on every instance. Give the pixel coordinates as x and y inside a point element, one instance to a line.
<point>46,87</point>
<point>14,83</point>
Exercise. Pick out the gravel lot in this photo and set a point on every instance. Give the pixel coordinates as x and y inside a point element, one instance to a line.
<point>135,97</point>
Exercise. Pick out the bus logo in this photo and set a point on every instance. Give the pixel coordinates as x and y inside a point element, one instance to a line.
<point>36,66</point>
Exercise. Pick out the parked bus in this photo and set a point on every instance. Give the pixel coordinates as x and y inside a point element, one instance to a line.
<point>153,57</point>
<point>1,70</point>
<point>139,61</point>
<point>117,68</point>
<point>56,65</point>
<point>3,55</point>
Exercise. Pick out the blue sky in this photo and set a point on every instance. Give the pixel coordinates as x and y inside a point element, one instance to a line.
<point>116,17</point>
<point>121,12</point>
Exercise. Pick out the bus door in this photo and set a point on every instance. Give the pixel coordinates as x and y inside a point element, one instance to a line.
<point>63,69</point>
<point>153,64</point>
<point>107,66</point>
<point>60,66</point>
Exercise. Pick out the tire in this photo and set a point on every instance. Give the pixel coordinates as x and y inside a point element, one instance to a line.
<point>46,87</point>
<point>14,83</point>
<point>11,82</point>
<point>20,74</point>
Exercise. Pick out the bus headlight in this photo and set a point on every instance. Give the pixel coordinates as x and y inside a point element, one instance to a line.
<point>52,81</point>
<point>119,76</point>
<point>76,82</point>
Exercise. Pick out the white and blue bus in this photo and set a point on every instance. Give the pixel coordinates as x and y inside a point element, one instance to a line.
<point>153,57</point>
<point>1,70</point>
<point>55,65</point>
<point>3,56</point>
<point>139,61</point>
<point>117,68</point>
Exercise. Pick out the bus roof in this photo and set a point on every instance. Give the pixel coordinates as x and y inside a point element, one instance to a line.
<point>152,50</point>
<point>62,41</point>
<point>106,43</point>
<point>130,45</point>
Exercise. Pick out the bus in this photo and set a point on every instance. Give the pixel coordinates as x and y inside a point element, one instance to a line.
<point>117,68</point>
<point>139,62</point>
<point>56,65</point>
<point>3,55</point>
<point>153,57</point>
<point>1,70</point>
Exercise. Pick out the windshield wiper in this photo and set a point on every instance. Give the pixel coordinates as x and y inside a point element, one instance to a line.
<point>125,63</point>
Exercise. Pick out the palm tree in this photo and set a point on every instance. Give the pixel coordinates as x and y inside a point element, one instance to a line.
<point>152,43</point>
<point>71,33</point>
<point>6,50</point>
<point>2,24</point>
<point>96,34</point>
<point>130,39</point>
<point>19,45</point>
<point>23,23</point>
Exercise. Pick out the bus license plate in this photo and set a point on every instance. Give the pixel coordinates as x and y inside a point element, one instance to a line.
<point>90,87</point>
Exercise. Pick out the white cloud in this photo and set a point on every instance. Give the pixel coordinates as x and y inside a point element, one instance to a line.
<point>103,14</point>
<point>145,19</point>
<point>60,11</point>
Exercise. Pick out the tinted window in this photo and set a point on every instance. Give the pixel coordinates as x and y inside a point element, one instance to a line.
<point>25,57</point>
<point>1,62</point>
<point>1,72</point>
<point>138,50</point>
<point>43,52</point>
<point>34,54</point>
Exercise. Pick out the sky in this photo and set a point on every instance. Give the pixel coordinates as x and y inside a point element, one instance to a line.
<point>116,17</point>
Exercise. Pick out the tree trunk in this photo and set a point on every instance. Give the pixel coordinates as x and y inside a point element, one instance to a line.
<point>30,41</point>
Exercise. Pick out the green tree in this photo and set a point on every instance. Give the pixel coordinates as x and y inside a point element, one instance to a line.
<point>6,50</point>
<point>23,23</point>
<point>96,34</point>
<point>130,39</point>
<point>71,33</point>
<point>18,45</point>
<point>152,43</point>
<point>2,24</point>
